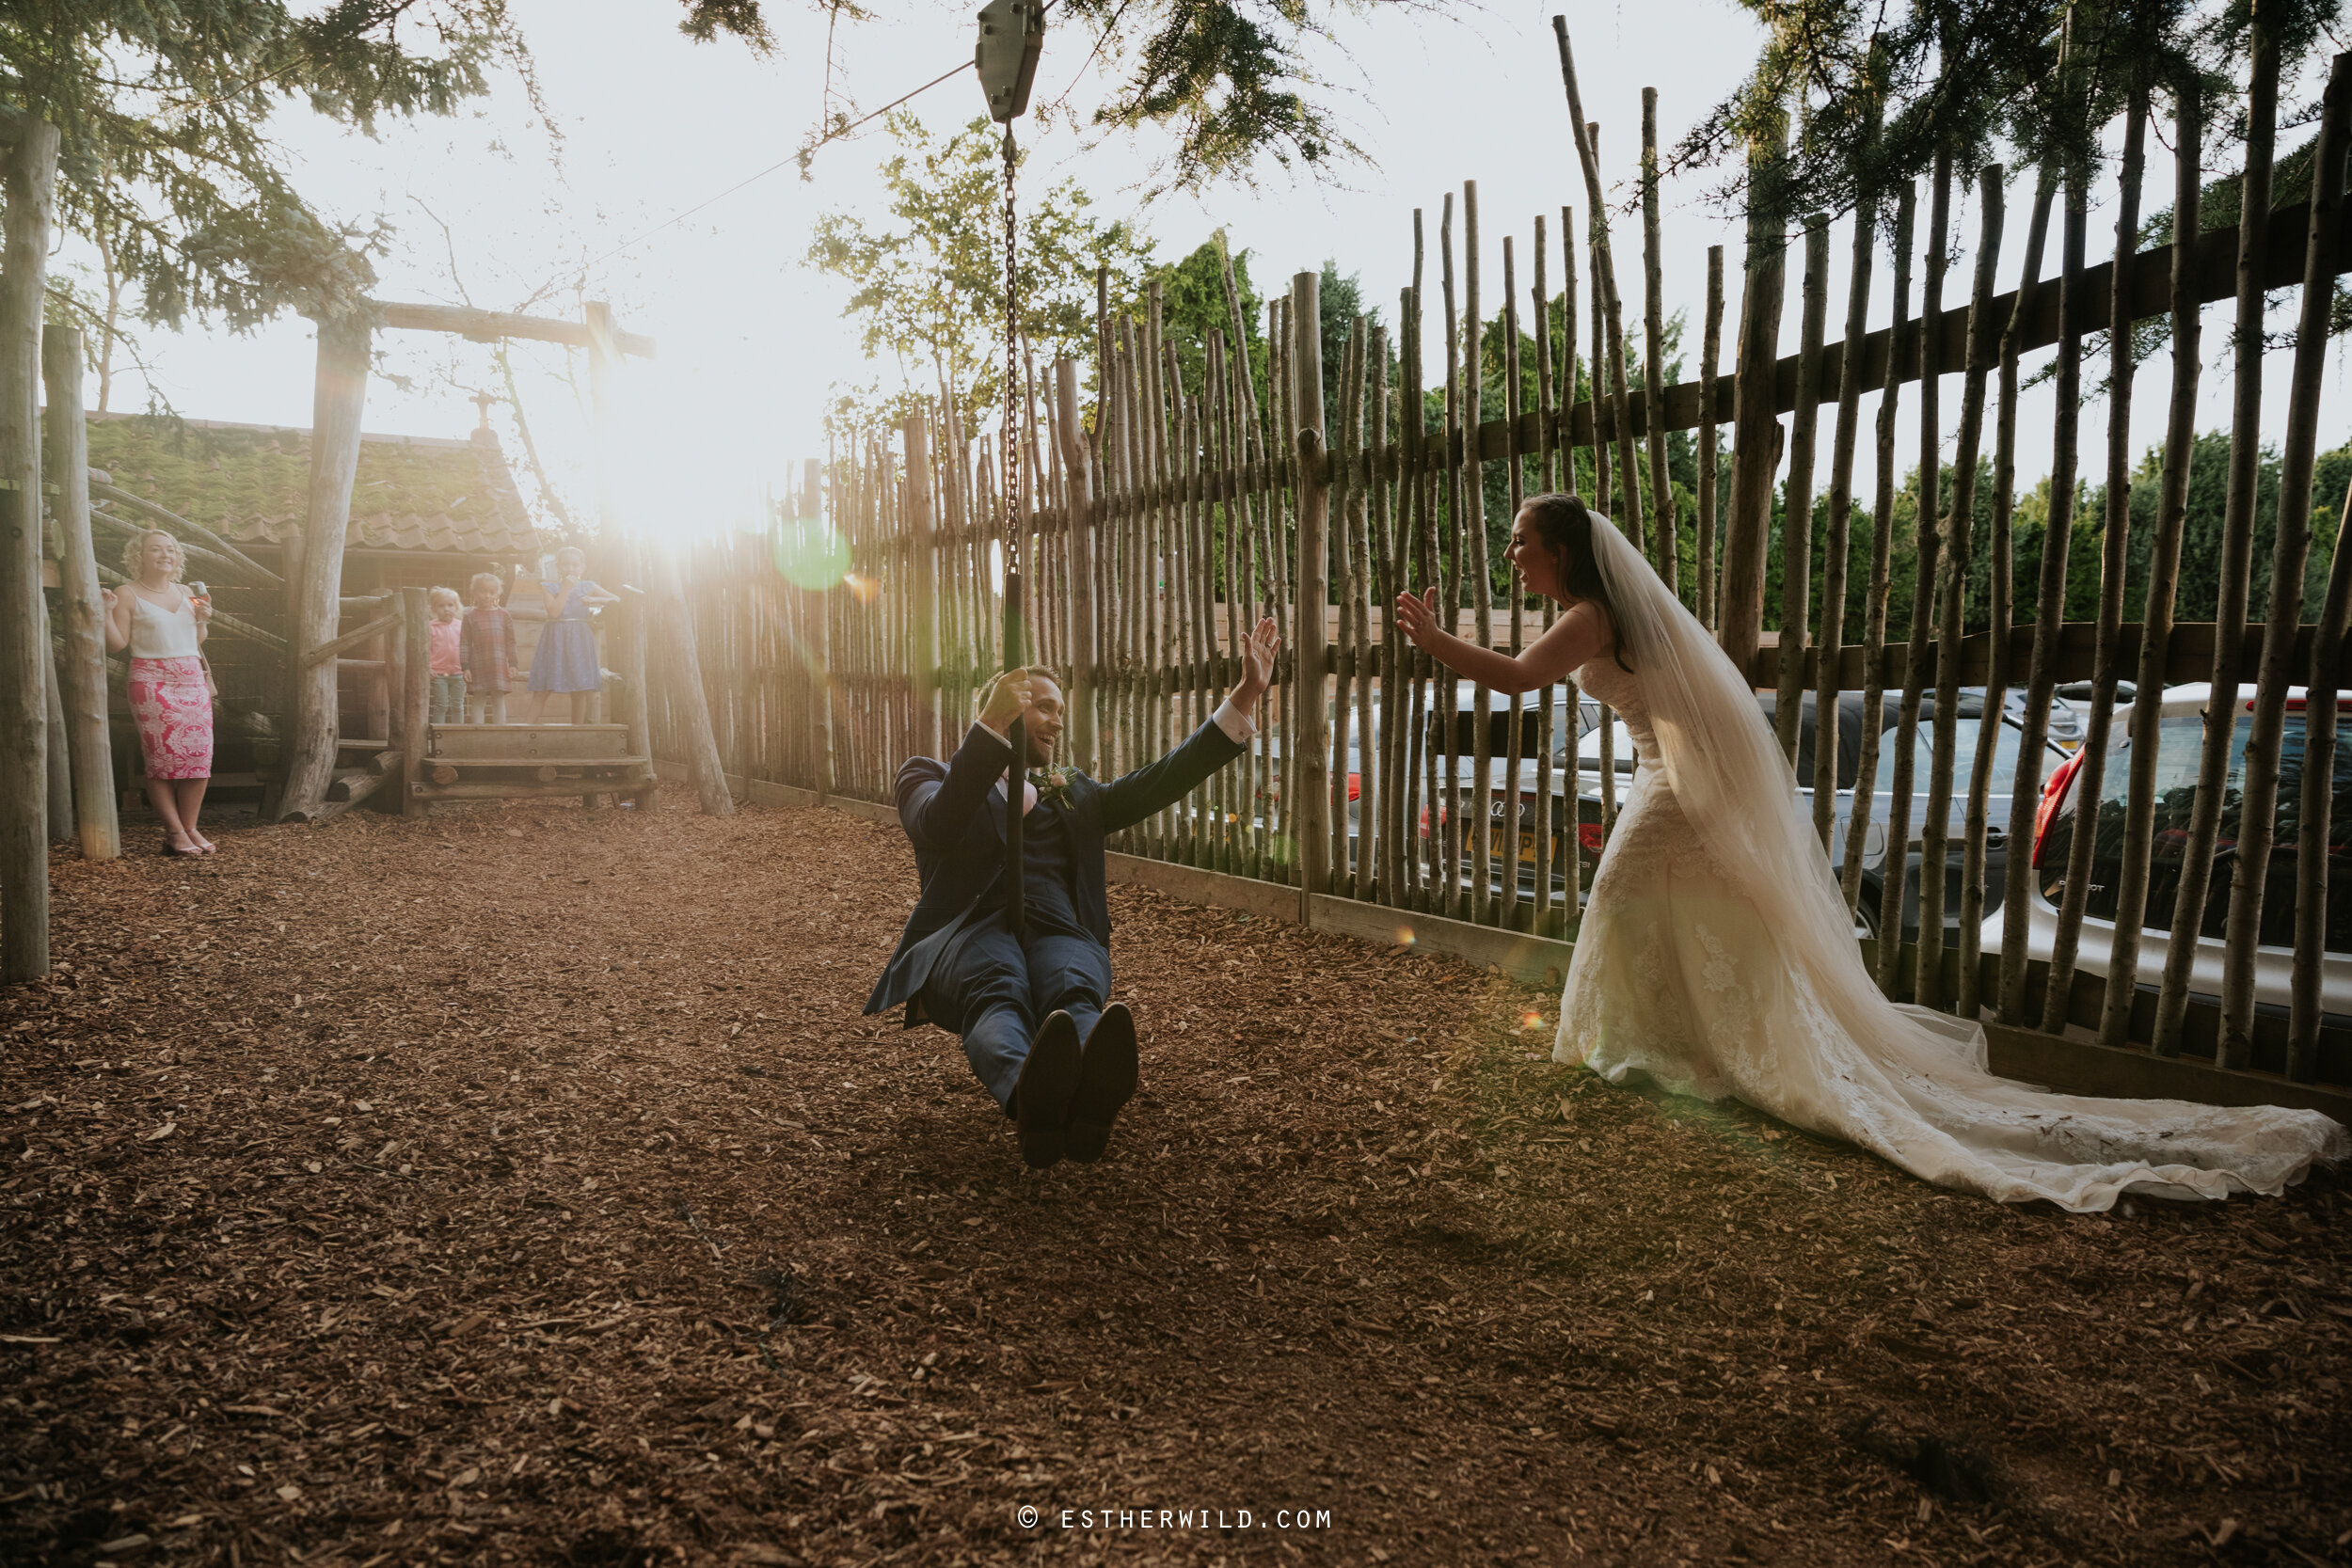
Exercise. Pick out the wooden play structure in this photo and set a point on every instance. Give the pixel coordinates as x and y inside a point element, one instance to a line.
<point>328,688</point>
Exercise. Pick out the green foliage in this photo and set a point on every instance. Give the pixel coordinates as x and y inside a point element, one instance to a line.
<point>162,110</point>
<point>1883,88</point>
<point>928,290</point>
<point>2198,582</point>
<point>1193,305</point>
<point>1229,79</point>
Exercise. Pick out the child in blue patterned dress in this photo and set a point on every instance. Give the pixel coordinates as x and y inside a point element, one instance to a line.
<point>565,658</point>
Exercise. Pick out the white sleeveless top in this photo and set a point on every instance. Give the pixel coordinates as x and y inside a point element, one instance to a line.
<point>157,633</point>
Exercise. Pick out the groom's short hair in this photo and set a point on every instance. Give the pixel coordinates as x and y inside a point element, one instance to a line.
<point>980,705</point>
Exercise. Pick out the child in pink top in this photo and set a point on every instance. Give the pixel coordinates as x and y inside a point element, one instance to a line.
<point>449,672</point>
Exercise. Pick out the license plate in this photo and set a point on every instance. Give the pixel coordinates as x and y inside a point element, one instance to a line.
<point>1527,847</point>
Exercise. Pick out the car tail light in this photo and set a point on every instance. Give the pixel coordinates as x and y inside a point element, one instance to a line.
<point>2053,794</point>
<point>1588,834</point>
<point>1354,786</point>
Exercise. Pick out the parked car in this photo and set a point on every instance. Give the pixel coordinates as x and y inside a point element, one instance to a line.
<point>1873,813</point>
<point>2179,744</point>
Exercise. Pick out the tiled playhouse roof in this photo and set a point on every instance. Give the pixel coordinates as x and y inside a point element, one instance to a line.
<point>250,484</point>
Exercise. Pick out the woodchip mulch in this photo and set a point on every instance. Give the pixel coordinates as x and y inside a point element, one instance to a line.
<point>523,1185</point>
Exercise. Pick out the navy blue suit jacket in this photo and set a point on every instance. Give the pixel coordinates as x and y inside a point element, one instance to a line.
<point>954,813</point>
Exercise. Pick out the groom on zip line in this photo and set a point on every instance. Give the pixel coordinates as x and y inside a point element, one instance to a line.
<point>1033,1006</point>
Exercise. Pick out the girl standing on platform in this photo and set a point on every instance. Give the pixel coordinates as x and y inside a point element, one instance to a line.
<point>448,703</point>
<point>565,658</point>
<point>163,625</point>
<point>486,648</point>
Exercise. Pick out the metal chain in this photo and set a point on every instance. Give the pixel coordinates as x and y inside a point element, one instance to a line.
<point>1010,455</point>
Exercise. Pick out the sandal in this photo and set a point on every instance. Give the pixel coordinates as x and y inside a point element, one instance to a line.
<point>171,848</point>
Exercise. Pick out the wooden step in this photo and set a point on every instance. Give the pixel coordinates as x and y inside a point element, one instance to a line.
<point>567,762</point>
<point>530,743</point>
<point>348,744</point>
<point>572,787</point>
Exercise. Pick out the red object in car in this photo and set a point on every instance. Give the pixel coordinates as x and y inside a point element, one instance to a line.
<point>2052,794</point>
<point>1588,834</point>
<point>1354,786</point>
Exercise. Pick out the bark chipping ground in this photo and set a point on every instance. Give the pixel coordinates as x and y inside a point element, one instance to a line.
<point>523,1184</point>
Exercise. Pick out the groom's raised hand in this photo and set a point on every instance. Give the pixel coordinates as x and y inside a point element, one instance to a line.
<point>1258,651</point>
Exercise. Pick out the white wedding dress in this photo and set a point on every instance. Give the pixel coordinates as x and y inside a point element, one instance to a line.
<point>1717,957</point>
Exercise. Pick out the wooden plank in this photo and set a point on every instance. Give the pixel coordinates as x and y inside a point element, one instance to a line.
<point>488,326</point>
<point>350,640</point>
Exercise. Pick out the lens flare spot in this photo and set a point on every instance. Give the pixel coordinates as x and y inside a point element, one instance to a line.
<point>808,554</point>
<point>1405,936</point>
<point>1531,1020</point>
<point>863,588</point>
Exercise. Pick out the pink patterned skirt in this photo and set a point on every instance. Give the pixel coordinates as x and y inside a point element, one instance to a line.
<point>173,706</point>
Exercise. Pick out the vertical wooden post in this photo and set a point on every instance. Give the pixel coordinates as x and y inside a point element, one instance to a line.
<point>2312,871</point>
<point>922,564</point>
<point>2000,613</point>
<point>1310,727</point>
<point>2237,536</point>
<point>1881,550</point>
<point>30,178</point>
<point>1709,606</point>
<point>2056,541</point>
<point>2290,549</point>
<point>416,688</point>
<point>627,648</point>
<point>1754,430</point>
<point>2164,566</point>
<point>1472,531</point>
<point>2115,556</point>
<point>1827,732</point>
<point>817,632</point>
<point>1959,530</point>
<point>336,407</point>
<point>676,623</point>
<point>1917,649</point>
<point>1610,340</point>
<point>60,775</point>
<point>1796,524</point>
<point>65,465</point>
<point>1661,494</point>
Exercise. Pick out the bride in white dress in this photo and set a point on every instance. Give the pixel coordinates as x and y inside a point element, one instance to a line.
<point>1717,955</point>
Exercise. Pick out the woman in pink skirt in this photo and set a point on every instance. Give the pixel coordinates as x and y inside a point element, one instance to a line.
<point>163,626</point>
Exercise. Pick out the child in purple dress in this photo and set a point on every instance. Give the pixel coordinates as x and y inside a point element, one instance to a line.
<point>565,658</point>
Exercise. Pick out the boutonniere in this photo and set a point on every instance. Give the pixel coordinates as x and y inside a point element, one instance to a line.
<point>1052,783</point>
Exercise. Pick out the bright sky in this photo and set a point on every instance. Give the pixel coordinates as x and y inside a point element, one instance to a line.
<point>650,124</point>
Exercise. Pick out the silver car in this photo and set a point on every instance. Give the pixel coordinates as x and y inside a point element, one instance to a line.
<point>2180,743</point>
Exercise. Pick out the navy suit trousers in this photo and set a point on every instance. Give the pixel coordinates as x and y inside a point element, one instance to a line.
<point>994,991</point>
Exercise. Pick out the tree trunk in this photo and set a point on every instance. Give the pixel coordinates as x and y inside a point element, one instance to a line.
<point>31,177</point>
<point>83,676</point>
<point>317,585</point>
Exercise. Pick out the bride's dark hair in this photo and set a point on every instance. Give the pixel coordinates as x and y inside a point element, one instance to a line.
<point>1564,528</point>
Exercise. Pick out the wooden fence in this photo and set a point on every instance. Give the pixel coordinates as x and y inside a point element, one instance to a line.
<point>1163,511</point>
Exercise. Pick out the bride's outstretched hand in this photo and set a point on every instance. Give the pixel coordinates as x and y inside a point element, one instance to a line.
<point>1418,615</point>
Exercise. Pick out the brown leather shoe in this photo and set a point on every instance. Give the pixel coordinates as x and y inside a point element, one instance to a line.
<point>1041,1099</point>
<point>1107,1075</point>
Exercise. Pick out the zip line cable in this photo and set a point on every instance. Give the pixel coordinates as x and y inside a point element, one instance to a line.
<point>800,157</point>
